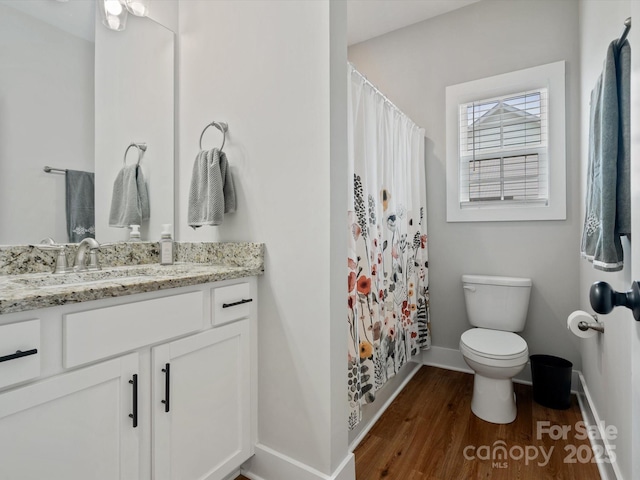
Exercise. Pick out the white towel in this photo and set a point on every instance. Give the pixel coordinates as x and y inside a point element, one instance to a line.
<point>130,201</point>
<point>212,193</point>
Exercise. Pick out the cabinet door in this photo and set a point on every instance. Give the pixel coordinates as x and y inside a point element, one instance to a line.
<point>74,426</point>
<point>204,430</point>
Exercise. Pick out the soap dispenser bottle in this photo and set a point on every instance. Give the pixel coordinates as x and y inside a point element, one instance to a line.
<point>166,245</point>
<point>134,235</point>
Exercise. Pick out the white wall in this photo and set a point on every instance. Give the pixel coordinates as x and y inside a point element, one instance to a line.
<point>165,12</point>
<point>606,359</point>
<point>276,73</point>
<point>46,118</point>
<point>413,66</point>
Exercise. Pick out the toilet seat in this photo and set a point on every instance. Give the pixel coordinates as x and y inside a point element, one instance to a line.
<point>494,347</point>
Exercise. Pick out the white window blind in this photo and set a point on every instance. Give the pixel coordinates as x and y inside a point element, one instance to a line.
<point>503,150</point>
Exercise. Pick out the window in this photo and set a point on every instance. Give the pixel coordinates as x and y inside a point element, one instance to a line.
<point>503,149</point>
<point>502,162</point>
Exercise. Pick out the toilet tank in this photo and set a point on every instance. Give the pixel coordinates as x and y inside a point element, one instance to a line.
<point>498,303</point>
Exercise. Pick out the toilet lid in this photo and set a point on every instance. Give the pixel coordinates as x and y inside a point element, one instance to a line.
<point>494,343</point>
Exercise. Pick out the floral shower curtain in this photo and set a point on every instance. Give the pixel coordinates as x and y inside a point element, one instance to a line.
<point>388,288</point>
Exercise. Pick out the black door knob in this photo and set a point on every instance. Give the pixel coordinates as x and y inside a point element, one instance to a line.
<point>603,298</point>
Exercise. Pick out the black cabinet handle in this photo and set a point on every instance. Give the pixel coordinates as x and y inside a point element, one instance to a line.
<point>167,390</point>
<point>134,415</point>
<point>244,300</point>
<point>19,354</point>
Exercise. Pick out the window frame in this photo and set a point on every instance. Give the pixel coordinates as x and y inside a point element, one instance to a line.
<point>550,77</point>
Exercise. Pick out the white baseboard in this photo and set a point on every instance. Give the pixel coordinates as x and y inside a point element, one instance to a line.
<point>608,471</point>
<point>448,358</point>
<point>268,464</point>
<point>451,359</point>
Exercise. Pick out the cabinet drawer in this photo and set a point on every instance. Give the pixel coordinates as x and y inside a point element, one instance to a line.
<point>19,352</point>
<point>104,332</point>
<point>231,303</point>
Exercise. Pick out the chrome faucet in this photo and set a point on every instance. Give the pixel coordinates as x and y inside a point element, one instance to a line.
<point>80,263</point>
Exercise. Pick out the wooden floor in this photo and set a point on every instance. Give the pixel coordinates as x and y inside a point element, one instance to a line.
<point>426,431</point>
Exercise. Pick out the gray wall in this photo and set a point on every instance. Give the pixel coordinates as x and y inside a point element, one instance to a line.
<point>412,66</point>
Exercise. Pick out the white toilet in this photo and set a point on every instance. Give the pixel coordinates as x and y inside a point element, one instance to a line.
<point>497,307</point>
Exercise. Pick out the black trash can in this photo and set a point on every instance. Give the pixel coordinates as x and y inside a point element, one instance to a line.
<point>551,377</point>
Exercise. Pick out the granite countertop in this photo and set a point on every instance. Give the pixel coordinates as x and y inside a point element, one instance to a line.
<point>198,264</point>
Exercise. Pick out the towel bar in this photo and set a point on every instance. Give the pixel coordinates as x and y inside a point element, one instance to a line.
<point>49,169</point>
<point>223,127</point>
<point>625,32</point>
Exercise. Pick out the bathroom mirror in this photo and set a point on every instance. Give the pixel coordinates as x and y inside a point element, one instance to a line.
<point>62,105</point>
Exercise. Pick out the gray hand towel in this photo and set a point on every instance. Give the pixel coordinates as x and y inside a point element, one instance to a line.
<point>80,205</point>
<point>130,201</point>
<point>623,184</point>
<point>212,193</point>
<point>608,189</point>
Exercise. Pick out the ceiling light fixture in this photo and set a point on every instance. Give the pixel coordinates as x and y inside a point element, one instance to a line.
<point>114,15</point>
<point>114,12</point>
<point>140,8</point>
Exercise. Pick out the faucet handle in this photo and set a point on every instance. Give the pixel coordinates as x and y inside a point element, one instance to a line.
<point>48,244</point>
<point>61,265</point>
<point>93,263</point>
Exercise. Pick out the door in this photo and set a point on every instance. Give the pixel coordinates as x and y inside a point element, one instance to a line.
<point>635,237</point>
<point>201,404</point>
<point>73,426</point>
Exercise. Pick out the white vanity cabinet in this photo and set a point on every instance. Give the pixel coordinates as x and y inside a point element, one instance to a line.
<point>143,387</point>
<point>72,426</point>
<point>201,413</point>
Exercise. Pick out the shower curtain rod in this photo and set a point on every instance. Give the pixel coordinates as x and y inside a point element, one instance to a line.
<point>384,97</point>
<point>627,27</point>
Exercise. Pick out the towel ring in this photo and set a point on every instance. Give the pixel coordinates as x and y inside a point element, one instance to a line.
<point>142,147</point>
<point>223,127</point>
